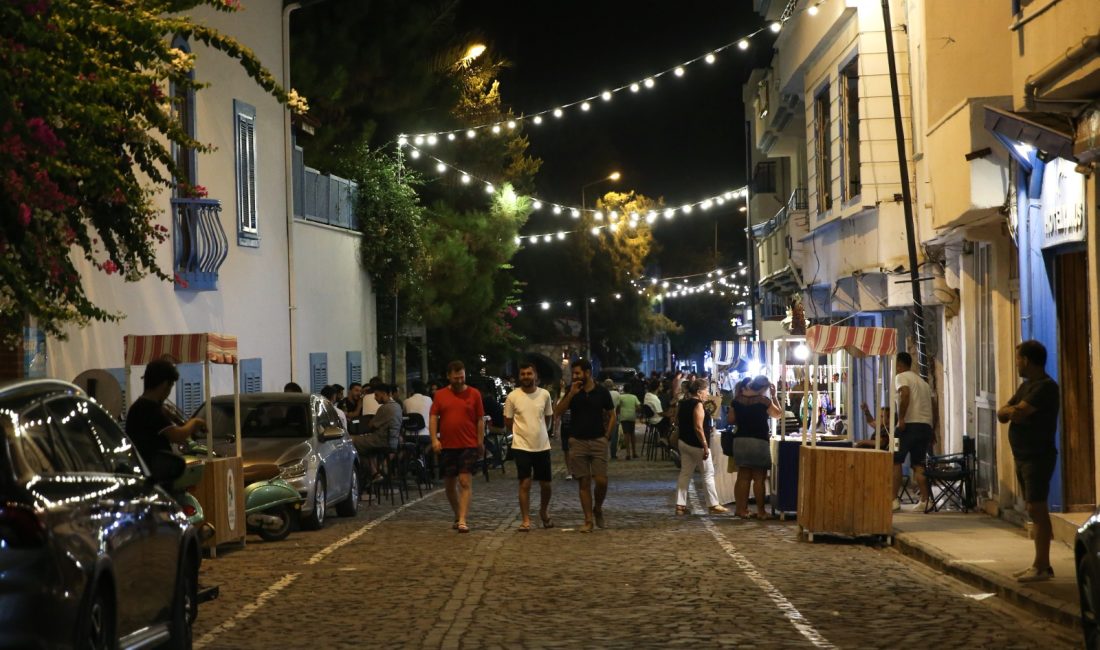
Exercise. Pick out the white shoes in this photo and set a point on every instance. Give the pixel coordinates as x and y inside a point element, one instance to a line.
<point>897,505</point>
<point>1032,574</point>
<point>921,506</point>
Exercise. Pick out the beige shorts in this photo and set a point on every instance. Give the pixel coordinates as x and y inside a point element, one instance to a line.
<point>588,457</point>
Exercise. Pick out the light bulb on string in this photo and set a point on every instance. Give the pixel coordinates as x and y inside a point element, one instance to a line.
<point>775,27</point>
<point>432,140</point>
<point>606,95</point>
<point>414,154</point>
<point>709,58</point>
<point>686,209</point>
<point>537,119</point>
<point>519,240</point>
<point>402,141</point>
<point>595,230</point>
<point>470,133</point>
<point>561,235</point>
<point>679,71</point>
<point>568,303</point>
<point>451,137</point>
<point>669,212</point>
<point>585,106</point>
<point>597,215</point>
<point>537,205</point>
<point>634,87</point>
<point>489,189</point>
<point>511,124</point>
<point>418,140</point>
<point>743,43</point>
<point>614,215</point>
<point>547,238</point>
<point>557,209</point>
<point>441,168</point>
<point>575,213</point>
<point>649,82</point>
<point>614,227</point>
<point>496,128</point>
<point>812,10</point>
<point>557,112</point>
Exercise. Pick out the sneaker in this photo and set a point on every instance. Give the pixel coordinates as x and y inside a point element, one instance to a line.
<point>569,477</point>
<point>897,505</point>
<point>1022,572</point>
<point>599,517</point>
<point>921,506</point>
<point>1034,574</point>
<point>719,509</point>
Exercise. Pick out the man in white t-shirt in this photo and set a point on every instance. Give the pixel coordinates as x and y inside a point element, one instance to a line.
<point>914,428</point>
<point>369,403</point>
<point>418,402</point>
<point>527,413</point>
<point>616,397</point>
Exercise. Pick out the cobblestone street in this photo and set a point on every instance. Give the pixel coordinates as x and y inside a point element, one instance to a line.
<point>400,577</point>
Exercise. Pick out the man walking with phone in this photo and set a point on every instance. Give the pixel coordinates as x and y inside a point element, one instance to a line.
<point>592,417</point>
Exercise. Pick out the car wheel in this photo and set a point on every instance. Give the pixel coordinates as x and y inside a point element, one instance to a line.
<point>349,507</point>
<point>185,605</point>
<point>280,533</point>
<point>96,630</point>
<point>316,518</point>
<point>1086,588</point>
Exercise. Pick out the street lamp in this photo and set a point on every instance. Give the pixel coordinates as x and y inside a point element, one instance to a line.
<point>613,176</point>
<point>474,51</point>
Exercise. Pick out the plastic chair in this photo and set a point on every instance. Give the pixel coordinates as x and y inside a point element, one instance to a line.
<point>951,479</point>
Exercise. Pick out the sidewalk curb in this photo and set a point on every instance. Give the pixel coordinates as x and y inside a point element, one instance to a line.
<point>1056,611</point>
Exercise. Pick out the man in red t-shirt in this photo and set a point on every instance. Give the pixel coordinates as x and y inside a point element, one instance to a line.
<point>457,427</point>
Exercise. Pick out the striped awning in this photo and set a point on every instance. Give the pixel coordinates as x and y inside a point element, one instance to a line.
<point>858,341</point>
<point>180,348</point>
<point>726,353</point>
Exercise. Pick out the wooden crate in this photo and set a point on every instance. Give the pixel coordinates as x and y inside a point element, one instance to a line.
<point>221,495</point>
<point>845,491</point>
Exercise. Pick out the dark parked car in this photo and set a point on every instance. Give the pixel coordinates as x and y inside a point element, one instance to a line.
<point>93,552</point>
<point>1086,551</point>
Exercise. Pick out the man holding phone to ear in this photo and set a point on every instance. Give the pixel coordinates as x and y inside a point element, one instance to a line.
<point>592,419</point>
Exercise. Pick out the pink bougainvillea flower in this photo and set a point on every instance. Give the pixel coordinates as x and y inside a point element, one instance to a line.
<point>110,267</point>
<point>24,215</point>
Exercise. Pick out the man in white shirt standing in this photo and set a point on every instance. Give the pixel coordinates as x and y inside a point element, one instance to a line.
<point>527,413</point>
<point>616,397</point>
<point>914,428</point>
<point>420,403</point>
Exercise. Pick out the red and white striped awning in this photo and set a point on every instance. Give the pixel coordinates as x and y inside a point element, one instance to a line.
<point>858,341</point>
<point>180,348</point>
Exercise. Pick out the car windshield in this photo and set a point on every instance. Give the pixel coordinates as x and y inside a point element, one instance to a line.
<point>264,420</point>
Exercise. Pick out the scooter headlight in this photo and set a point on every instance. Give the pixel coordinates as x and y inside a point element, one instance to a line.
<point>293,470</point>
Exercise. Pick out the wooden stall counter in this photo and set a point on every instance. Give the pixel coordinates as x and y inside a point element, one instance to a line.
<point>221,495</point>
<point>845,491</point>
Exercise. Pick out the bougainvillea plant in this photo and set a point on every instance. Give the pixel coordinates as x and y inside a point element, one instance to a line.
<point>86,130</point>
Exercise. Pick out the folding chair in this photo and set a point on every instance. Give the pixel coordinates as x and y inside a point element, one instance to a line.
<point>951,479</point>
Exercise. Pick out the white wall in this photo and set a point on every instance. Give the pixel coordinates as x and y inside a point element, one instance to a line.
<point>252,299</point>
<point>335,302</point>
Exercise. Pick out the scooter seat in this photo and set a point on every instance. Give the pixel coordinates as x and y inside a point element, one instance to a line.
<point>260,472</point>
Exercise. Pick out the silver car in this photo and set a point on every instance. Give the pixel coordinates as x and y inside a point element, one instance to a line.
<point>304,436</point>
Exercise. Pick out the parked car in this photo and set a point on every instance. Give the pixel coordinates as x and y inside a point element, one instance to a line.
<point>301,434</point>
<point>94,553</point>
<point>1086,551</point>
<point>618,376</point>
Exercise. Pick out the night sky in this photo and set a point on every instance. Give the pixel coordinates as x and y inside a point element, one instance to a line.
<point>683,139</point>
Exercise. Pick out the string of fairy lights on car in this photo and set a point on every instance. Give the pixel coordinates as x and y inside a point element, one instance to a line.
<point>638,87</point>
<point>610,221</point>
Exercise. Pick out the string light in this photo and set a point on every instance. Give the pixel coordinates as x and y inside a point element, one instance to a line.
<point>649,81</point>
<point>575,212</point>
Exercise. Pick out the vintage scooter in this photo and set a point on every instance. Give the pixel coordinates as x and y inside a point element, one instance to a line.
<point>270,503</point>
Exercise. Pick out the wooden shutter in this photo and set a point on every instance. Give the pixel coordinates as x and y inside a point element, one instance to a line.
<point>247,212</point>
<point>355,367</point>
<point>252,376</point>
<point>189,392</point>
<point>318,371</point>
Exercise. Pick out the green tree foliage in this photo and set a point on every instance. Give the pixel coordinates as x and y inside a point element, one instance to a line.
<point>85,135</point>
<point>391,218</point>
<point>465,300</point>
<point>373,68</point>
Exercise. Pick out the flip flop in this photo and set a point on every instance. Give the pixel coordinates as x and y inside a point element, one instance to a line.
<point>462,528</point>
<point>547,523</point>
<point>524,528</point>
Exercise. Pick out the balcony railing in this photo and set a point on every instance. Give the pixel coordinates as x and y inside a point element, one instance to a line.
<point>199,242</point>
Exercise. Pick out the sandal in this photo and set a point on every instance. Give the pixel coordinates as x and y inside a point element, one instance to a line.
<point>462,528</point>
<point>524,528</point>
<point>547,523</point>
<point>454,526</point>
<point>681,510</point>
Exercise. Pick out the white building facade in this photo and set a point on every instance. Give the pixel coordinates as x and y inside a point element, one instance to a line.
<point>247,262</point>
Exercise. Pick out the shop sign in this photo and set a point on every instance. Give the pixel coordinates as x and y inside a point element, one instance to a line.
<point>1063,204</point>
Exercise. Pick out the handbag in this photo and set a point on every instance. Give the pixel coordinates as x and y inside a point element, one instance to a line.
<point>727,441</point>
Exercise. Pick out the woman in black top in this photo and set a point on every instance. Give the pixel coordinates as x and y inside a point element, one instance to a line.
<point>695,427</point>
<point>750,411</point>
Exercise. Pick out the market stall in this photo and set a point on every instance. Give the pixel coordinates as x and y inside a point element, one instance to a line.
<point>843,490</point>
<point>221,491</point>
<point>732,361</point>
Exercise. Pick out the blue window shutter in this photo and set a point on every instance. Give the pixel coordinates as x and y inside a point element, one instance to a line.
<point>355,367</point>
<point>318,371</point>
<point>252,376</point>
<point>244,126</point>
<point>189,393</point>
<point>120,375</point>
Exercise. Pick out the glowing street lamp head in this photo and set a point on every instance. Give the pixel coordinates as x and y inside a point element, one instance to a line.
<point>474,51</point>
<point>614,176</point>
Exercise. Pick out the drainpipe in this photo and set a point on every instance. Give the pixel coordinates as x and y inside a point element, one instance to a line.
<point>1074,57</point>
<point>292,305</point>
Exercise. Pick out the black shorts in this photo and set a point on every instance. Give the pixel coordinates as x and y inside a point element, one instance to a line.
<point>532,461</point>
<point>453,462</point>
<point>915,441</point>
<point>1034,476</point>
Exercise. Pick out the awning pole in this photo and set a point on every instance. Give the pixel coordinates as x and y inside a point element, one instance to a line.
<point>209,409</point>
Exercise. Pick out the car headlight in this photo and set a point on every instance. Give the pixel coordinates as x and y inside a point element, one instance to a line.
<point>293,470</point>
